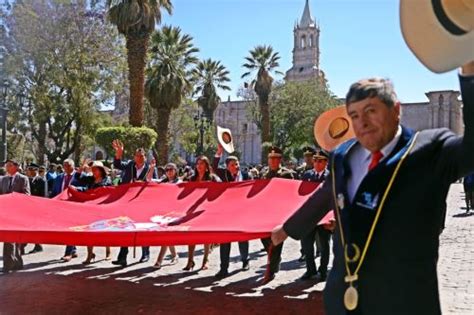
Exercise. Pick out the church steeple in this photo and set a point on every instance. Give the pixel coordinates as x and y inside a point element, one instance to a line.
<point>306,19</point>
<point>306,49</point>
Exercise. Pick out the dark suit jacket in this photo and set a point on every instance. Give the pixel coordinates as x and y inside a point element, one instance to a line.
<point>129,171</point>
<point>38,186</point>
<point>58,184</point>
<point>399,273</point>
<point>21,184</point>
<point>223,173</point>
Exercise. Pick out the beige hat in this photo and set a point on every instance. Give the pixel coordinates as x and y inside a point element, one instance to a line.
<point>439,32</point>
<point>332,128</point>
<point>99,164</point>
<point>224,136</point>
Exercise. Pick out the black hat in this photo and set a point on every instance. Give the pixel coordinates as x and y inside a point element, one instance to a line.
<point>274,151</point>
<point>308,151</point>
<point>33,166</point>
<point>320,154</point>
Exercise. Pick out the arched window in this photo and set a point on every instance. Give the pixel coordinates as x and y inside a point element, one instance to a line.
<point>303,41</point>
<point>311,41</point>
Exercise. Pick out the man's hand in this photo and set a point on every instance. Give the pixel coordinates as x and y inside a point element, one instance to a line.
<point>278,235</point>
<point>151,170</point>
<point>117,145</point>
<point>468,69</point>
<point>220,150</point>
<point>85,164</point>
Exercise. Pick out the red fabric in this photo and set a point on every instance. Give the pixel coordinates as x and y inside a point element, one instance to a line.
<point>376,157</point>
<point>138,214</point>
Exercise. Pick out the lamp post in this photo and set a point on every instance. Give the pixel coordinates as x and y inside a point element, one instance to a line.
<point>3,117</point>
<point>3,121</point>
<point>201,123</point>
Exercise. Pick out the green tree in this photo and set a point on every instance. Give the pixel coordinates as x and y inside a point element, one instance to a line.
<point>66,58</point>
<point>172,55</point>
<point>136,20</point>
<point>297,105</point>
<point>132,138</point>
<point>208,76</point>
<point>263,60</point>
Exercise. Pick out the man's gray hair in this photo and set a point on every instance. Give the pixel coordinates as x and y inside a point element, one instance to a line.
<point>372,87</point>
<point>69,161</point>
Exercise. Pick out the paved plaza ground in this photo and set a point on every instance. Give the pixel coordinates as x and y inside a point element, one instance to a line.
<point>47,286</point>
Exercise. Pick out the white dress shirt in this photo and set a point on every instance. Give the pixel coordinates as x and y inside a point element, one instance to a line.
<point>359,160</point>
<point>139,171</point>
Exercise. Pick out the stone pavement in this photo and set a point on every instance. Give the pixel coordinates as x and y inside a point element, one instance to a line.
<point>47,286</point>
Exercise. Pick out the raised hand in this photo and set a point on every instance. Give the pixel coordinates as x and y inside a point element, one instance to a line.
<point>151,170</point>
<point>220,150</point>
<point>117,145</point>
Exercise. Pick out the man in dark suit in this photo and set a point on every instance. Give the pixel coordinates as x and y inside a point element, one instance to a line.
<point>62,182</point>
<point>317,174</point>
<point>232,173</point>
<point>388,191</point>
<point>13,182</point>
<point>39,188</point>
<point>132,171</point>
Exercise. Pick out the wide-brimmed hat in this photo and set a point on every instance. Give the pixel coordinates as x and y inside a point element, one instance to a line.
<point>439,32</point>
<point>224,136</point>
<point>332,128</point>
<point>99,164</point>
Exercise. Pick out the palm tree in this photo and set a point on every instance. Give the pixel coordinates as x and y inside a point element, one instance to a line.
<point>136,20</point>
<point>208,76</point>
<point>169,79</point>
<point>264,60</point>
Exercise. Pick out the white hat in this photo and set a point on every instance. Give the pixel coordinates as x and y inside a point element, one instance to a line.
<point>224,136</point>
<point>439,32</point>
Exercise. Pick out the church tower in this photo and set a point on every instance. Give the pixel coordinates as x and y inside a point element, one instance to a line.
<point>306,49</point>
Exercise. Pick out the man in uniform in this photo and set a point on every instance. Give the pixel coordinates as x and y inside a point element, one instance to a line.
<point>308,153</point>
<point>275,169</point>
<point>317,174</point>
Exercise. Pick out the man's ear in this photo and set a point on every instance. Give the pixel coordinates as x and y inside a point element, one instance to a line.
<point>398,109</point>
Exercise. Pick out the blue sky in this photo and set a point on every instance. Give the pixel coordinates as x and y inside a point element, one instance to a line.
<point>359,38</point>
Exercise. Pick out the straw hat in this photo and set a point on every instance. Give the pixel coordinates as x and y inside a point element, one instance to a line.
<point>439,32</point>
<point>332,128</point>
<point>224,136</point>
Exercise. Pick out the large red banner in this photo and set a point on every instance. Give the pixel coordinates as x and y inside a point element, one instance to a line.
<point>153,214</point>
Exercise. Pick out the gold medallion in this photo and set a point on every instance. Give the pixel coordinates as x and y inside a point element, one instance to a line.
<point>351,297</point>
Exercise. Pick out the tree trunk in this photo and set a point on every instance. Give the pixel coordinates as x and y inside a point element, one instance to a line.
<point>162,142</point>
<point>136,55</point>
<point>41,139</point>
<point>265,123</point>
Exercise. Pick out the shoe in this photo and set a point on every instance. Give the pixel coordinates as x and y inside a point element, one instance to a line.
<point>157,265</point>
<point>205,265</point>
<point>119,262</point>
<point>321,277</point>
<point>174,260</point>
<point>36,250</point>
<point>309,275</point>
<point>268,278</point>
<point>222,274</point>
<point>90,259</point>
<point>144,259</point>
<point>67,258</point>
<point>302,258</point>
<point>189,266</point>
<point>245,265</point>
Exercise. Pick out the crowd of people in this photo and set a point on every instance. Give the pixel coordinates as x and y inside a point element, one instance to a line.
<point>50,181</point>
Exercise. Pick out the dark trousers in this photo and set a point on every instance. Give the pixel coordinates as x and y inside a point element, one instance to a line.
<point>123,253</point>
<point>469,199</point>
<point>275,258</point>
<point>12,256</point>
<point>308,248</point>
<point>225,253</point>
<point>70,250</point>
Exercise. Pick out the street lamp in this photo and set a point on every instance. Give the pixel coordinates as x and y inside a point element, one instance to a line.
<point>3,117</point>
<point>201,123</point>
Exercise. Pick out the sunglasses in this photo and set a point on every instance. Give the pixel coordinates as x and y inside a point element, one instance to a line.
<point>169,169</point>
